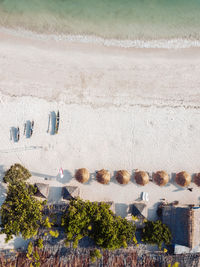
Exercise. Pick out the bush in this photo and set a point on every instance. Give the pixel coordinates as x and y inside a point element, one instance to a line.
<point>96,220</point>
<point>156,233</point>
<point>16,173</point>
<point>54,233</point>
<point>40,243</point>
<point>20,212</point>
<point>95,254</point>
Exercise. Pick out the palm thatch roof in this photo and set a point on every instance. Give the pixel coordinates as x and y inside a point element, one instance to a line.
<point>70,192</point>
<point>141,177</point>
<point>139,210</point>
<point>161,178</point>
<point>103,176</point>
<point>82,175</point>
<point>183,222</point>
<point>183,178</point>
<point>123,177</point>
<point>42,190</point>
<point>197,179</point>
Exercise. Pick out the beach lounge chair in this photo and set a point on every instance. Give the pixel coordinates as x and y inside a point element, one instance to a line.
<point>145,196</point>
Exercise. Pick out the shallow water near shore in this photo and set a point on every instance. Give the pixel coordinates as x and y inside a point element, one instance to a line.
<point>118,19</point>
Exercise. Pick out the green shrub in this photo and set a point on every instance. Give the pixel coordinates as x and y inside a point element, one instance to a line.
<point>54,233</point>
<point>20,212</point>
<point>16,173</point>
<point>156,233</point>
<point>96,220</point>
<point>47,223</point>
<point>29,250</point>
<point>40,243</point>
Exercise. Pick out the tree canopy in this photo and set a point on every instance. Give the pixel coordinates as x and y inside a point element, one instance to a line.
<point>16,173</point>
<point>20,212</point>
<point>156,233</point>
<point>97,221</point>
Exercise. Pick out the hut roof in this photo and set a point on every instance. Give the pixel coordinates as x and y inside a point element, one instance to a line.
<point>82,175</point>
<point>197,179</point>
<point>138,209</point>
<point>141,177</point>
<point>70,192</point>
<point>183,178</point>
<point>161,178</point>
<point>103,176</point>
<point>123,177</point>
<point>42,190</point>
<point>183,223</point>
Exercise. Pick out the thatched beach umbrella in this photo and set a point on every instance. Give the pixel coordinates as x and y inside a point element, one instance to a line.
<point>123,177</point>
<point>141,177</point>
<point>161,178</point>
<point>197,179</point>
<point>103,176</point>
<point>183,178</point>
<point>82,175</point>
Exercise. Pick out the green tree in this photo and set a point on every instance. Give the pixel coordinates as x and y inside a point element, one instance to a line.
<point>95,254</point>
<point>20,212</point>
<point>16,173</point>
<point>156,233</point>
<point>96,220</point>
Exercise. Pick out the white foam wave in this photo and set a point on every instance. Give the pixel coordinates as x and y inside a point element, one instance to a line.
<point>178,43</point>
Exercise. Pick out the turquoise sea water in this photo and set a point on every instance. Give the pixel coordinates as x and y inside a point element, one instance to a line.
<point>119,19</point>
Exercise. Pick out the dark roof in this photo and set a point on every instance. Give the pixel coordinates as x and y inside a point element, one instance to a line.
<point>137,210</point>
<point>70,192</point>
<point>183,222</point>
<point>42,190</point>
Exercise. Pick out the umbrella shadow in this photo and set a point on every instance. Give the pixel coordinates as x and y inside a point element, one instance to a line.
<point>42,175</point>
<point>52,122</point>
<point>67,176</point>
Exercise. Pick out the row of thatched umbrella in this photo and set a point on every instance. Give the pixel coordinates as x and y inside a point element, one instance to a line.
<point>161,178</point>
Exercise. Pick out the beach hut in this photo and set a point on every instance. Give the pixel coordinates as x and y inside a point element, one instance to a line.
<point>197,179</point>
<point>183,222</point>
<point>123,177</point>
<point>141,177</point>
<point>70,192</point>
<point>103,176</point>
<point>183,178</point>
<point>42,190</point>
<point>82,175</point>
<point>161,178</point>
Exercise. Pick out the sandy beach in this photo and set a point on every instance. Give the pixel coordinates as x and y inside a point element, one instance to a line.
<point>120,109</point>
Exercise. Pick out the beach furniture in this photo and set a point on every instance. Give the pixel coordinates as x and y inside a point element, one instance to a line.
<point>82,175</point>
<point>123,177</point>
<point>161,178</point>
<point>141,177</point>
<point>183,179</point>
<point>103,176</point>
<point>145,196</point>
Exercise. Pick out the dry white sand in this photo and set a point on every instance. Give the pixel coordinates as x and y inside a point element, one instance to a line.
<point>120,109</point>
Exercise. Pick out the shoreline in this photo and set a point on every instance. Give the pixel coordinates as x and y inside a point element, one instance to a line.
<point>175,43</point>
